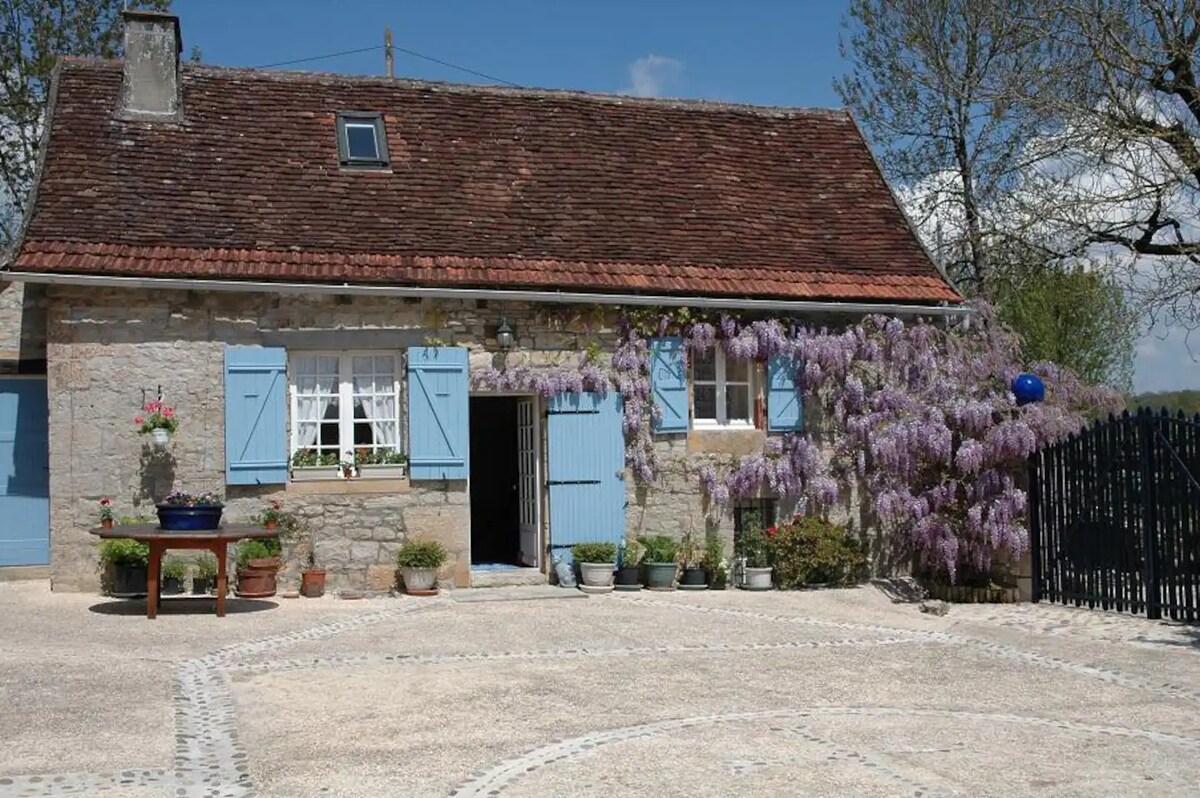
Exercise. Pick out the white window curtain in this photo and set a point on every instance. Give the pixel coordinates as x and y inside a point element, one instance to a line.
<point>375,394</point>
<point>316,384</point>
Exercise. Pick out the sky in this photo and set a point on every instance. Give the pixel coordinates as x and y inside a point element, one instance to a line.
<point>753,51</point>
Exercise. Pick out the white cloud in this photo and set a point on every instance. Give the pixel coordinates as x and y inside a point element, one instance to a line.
<point>652,76</point>
<point>1167,360</point>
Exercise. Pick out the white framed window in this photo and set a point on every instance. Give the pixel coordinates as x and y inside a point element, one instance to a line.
<point>722,391</point>
<point>344,403</point>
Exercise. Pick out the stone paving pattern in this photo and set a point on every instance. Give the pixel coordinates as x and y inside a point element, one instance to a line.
<point>825,693</point>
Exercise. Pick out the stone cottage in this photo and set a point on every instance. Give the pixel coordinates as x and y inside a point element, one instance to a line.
<point>394,305</point>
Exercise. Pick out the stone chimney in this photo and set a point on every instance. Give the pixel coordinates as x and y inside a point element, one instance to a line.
<point>150,86</point>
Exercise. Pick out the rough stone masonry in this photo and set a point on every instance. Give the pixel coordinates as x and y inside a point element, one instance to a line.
<point>109,349</point>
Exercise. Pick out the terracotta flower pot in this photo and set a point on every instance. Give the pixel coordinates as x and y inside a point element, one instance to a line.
<point>106,523</point>
<point>312,583</point>
<point>255,582</point>
<point>266,563</point>
<point>270,524</point>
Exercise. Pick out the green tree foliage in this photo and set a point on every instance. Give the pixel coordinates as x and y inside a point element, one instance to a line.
<point>33,33</point>
<point>1075,318</point>
<point>1187,401</point>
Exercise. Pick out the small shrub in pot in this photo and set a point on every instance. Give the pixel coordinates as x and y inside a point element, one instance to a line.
<point>126,562</point>
<point>659,561</point>
<point>174,569</point>
<point>596,561</point>
<point>204,577</point>
<point>689,556</point>
<point>753,546</point>
<point>715,565</point>
<point>629,565</point>
<point>419,561</point>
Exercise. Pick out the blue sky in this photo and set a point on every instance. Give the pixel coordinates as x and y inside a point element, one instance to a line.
<point>776,53</point>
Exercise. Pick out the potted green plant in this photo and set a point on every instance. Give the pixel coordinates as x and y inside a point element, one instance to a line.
<point>204,577</point>
<point>689,555</point>
<point>379,463</point>
<point>314,464</point>
<point>174,569</point>
<point>629,566</point>
<point>753,547</point>
<point>419,561</point>
<point>254,581</point>
<point>659,561</point>
<point>715,564</point>
<point>269,517</point>
<point>126,562</point>
<point>106,513</point>
<point>596,561</point>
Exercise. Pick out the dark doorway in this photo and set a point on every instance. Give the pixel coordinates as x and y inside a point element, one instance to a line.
<point>495,498</point>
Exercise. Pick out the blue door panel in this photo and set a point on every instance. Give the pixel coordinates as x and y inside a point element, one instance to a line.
<point>586,462</point>
<point>24,475</point>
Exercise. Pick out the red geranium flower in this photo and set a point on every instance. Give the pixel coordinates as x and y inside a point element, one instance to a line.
<point>771,531</point>
<point>105,502</point>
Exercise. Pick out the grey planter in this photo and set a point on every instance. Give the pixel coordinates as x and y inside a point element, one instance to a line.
<point>596,574</point>
<point>419,578</point>
<point>660,575</point>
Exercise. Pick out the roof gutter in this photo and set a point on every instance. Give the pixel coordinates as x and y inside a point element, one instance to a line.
<point>491,294</point>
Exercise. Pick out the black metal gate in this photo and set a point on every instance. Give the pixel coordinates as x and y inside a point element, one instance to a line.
<point>1115,516</point>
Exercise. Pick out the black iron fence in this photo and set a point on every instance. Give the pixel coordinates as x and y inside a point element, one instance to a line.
<point>1115,516</point>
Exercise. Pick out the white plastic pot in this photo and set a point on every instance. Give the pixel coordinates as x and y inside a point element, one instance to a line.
<point>758,578</point>
<point>160,436</point>
<point>596,574</point>
<point>419,578</point>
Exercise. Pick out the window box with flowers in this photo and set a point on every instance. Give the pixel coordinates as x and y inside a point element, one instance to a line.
<point>373,463</point>
<point>158,421</point>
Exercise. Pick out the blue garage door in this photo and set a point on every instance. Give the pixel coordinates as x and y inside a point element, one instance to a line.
<point>24,473</point>
<point>587,459</point>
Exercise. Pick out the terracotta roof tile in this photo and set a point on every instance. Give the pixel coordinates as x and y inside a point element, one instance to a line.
<point>487,187</point>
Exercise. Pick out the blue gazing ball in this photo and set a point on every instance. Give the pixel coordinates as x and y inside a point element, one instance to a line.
<point>1028,388</point>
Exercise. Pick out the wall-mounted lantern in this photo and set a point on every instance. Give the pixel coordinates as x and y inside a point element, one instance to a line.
<point>505,337</point>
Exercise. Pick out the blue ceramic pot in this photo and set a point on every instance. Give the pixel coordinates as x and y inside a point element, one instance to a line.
<point>189,519</point>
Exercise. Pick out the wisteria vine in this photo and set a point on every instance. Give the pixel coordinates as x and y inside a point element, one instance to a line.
<point>919,415</point>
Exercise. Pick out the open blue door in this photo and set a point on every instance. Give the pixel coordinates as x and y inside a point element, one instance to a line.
<point>585,470</point>
<point>24,472</point>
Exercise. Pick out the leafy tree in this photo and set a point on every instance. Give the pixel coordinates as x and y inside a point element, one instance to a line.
<point>1187,401</point>
<point>33,33</point>
<point>941,88</point>
<point>1078,319</point>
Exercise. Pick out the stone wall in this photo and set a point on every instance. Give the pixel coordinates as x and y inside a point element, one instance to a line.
<point>22,327</point>
<point>109,350</point>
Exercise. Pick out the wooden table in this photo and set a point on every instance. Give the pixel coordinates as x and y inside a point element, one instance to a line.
<point>216,540</point>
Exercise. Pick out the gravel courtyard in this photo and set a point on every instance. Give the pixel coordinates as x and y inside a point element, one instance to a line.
<point>510,692</point>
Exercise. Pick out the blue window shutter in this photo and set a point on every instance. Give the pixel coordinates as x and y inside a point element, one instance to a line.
<point>586,470</point>
<point>784,408</point>
<point>255,415</point>
<point>668,384</point>
<point>438,432</point>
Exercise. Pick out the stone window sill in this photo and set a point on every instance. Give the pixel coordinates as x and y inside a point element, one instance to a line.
<point>357,486</point>
<point>746,441</point>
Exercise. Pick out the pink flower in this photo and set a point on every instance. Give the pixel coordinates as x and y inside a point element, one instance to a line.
<point>153,407</point>
<point>169,412</point>
<point>139,420</point>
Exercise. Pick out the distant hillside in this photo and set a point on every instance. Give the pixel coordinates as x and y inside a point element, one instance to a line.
<point>1187,401</point>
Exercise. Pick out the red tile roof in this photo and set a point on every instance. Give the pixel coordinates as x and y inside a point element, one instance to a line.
<point>487,188</point>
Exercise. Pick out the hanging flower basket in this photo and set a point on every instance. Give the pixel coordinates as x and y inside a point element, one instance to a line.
<point>183,512</point>
<point>159,423</point>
